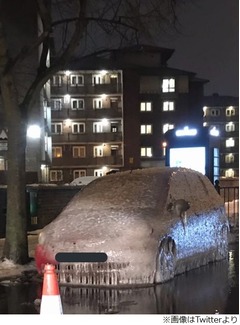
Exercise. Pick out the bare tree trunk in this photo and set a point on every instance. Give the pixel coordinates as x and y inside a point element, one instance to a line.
<point>16,244</point>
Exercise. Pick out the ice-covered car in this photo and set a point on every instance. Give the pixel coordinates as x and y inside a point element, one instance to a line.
<point>152,223</point>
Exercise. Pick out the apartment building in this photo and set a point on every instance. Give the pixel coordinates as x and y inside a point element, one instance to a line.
<point>222,113</point>
<point>110,111</point>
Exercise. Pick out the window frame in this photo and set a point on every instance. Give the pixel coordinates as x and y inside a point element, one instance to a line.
<point>230,143</point>
<point>56,80</point>
<point>78,124</point>
<point>229,158</point>
<point>78,100</point>
<point>77,76</point>
<point>144,129</point>
<point>54,152</point>
<point>55,107</point>
<point>170,127</point>
<point>230,111</point>
<point>215,112</point>
<point>168,108</point>
<point>97,151</point>
<point>79,148</point>
<point>144,106</point>
<point>170,86</point>
<point>97,126</point>
<point>56,125</point>
<point>230,127</point>
<point>146,153</point>
<point>56,171</point>
<point>79,171</point>
<point>98,172</point>
<point>97,79</point>
<point>96,102</point>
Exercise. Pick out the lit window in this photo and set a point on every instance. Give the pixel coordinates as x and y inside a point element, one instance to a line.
<point>98,172</point>
<point>78,128</point>
<point>57,80</point>
<point>167,127</point>
<point>230,142</point>
<point>77,103</point>
<point>76,80</point>
<point>79,173</point>
<point>2,164</point>
<point>229,158</point>
<point>97,103</point>
<point>168,106</point>
<point>229,173</point>
<point>146,152</point>
<point>97,127</point>
<point>97,79</point>
<point>114,128</point>
<point>168,85</point>
<point>57,104</point>
<point>146,129</point>
<point>98,151</point>
<point>230,111</point>
<point>215,112</point>
<point>79,152</point>
<point>56,175</point>
<point>230,127</point>
<point>56,128</point>
<point>146,107</point>
<point>57,152</point>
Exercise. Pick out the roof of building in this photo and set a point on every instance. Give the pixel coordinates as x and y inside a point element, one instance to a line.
<point>112,60</point>
<point>219,100</point>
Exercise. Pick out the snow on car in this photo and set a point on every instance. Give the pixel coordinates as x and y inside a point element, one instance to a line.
<point>152,223</point>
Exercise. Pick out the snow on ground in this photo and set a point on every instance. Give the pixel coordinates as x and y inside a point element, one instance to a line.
<point>8,269</point>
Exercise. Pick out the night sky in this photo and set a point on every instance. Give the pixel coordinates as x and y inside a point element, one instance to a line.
<point>209,44</point>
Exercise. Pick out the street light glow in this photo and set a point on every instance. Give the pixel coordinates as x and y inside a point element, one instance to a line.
<point>34,131</point>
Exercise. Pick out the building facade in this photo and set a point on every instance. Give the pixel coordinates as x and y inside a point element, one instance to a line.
<point>222,113</point>
<point>110,112</point>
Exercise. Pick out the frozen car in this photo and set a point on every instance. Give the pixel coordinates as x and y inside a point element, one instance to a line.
<point>152,223</point>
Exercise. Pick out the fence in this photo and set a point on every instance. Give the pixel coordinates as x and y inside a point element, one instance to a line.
<point>230,196</point>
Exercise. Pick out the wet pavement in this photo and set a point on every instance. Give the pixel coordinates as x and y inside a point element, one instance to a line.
<point>210,288</point>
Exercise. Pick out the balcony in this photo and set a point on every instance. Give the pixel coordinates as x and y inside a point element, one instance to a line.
<point>87,137</point>
<point>87,89</point>
<point>109,113</point>
<point>88,161</point>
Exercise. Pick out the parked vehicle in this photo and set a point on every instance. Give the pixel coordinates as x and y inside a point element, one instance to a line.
<point>152,223</point>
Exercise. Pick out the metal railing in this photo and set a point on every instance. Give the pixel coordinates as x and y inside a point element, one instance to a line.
<point>230,196</point>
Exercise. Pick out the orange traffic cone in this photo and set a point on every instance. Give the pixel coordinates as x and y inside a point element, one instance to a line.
<point>51,300</point>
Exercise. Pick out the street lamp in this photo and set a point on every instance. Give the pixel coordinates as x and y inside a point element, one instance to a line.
<point>34,131</point>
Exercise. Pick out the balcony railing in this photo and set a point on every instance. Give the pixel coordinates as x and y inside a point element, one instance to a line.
<point>89,161</point>
<point>88,137</point>
<point>230,196</point>
<point>87,89</point>
<point>87,113</point>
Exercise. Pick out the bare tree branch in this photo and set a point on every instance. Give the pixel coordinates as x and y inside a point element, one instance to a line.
<point>56,64</point>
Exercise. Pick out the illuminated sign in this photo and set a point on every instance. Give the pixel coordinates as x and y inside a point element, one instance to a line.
<point>193,157</point>
<point>186,132</point>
